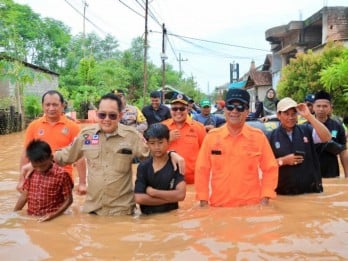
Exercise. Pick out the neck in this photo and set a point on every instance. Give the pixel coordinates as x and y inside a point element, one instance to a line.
<point>234,129</point>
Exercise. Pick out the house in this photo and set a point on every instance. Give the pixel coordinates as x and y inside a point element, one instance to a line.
<point>328,24</point>
<point>45,80</point>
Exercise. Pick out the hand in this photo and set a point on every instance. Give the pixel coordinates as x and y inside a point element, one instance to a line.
<point>203,203</point>
<point>81,189</point>
<point>264,201</point>
<point>303,110</point>
<point>174,135</point>
<point>150,191</point>
<point>293,159</point>
<point>25,173</point>
<point>177,160</point>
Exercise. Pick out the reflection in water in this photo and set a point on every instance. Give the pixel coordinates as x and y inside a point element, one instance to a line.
<point>306,227</point>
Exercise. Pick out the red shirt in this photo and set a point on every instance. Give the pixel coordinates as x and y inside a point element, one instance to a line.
<point>235,170</point>
<point>47,192</point>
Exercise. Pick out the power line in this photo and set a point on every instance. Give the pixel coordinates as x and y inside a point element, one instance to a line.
<point>214,42</point>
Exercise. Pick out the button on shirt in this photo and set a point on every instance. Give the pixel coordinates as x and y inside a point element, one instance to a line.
<point>109,160</point>
<point>232,164</point>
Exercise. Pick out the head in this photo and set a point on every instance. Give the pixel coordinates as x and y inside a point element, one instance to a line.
<point>155,99</point>
<point>109,112</point>
<point>322,105</point>
<point>236,107</point>
<point>179,108</point>
<point>52,105</point>
<point>309,100</point>
<point>287,113</point>
<point>205,107</point>
<point>39,154</point>
<point>220,104</point>
<point>157,137</point>
<point>271,94</point>
<point>190,104</point>
<point>121,94</point>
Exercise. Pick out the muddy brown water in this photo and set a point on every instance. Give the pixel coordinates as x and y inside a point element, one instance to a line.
<point>306,227</point>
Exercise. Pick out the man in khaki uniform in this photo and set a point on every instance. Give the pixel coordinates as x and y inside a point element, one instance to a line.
<point>109,148</point>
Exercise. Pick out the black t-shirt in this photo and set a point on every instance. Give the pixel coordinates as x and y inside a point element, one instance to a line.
<point>154,116</point>
<point>164,179</point>
<point>328,162</point>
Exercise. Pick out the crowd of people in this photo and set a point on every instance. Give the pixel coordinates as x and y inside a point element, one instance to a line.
<point>229,162</point>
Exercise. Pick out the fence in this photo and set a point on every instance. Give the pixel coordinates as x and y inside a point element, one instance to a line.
<point>10,121</point>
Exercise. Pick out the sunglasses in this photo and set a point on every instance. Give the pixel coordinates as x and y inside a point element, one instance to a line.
<point>112,116</point>
<point>178,108</point>
<point>239,107</point>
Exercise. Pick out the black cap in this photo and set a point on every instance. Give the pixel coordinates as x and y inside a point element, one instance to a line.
<point>309,98</point>
<point>322,95</point>
<point>237,94</point>
<point>179,97</point>
<point>155,94</point>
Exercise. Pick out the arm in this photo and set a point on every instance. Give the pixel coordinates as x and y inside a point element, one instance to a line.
<point>22,200</point>
<point>177,161</point>
<point>68,201</point>
<point>23,160</point>
<point>323,132</point>
<point>344,162</point>
<point>178,194</point>
<point>81,170</point>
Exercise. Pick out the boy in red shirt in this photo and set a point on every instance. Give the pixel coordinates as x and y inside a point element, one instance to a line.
<point>48,189</point>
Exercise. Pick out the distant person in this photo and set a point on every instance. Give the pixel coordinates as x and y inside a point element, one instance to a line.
<point>268,106</point>
<point>231,159</point>
<point>208,119</point>
<point>328,152</point>
<point>48,189</point>
<point>186,134</point>
<point>293,146</point>
<point>192,107</point>
<point>109,148</point>
<point>131,115</point>
<point>158,187</point>
<point>156,112</point>
<point>220,105</point>
<point>58,131</point>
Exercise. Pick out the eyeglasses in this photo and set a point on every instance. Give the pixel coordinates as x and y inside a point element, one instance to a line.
<point>239,107</point>
<point>178,108</point>
<point>102,115</point>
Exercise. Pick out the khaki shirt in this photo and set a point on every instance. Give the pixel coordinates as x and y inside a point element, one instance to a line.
<point>109,160</point>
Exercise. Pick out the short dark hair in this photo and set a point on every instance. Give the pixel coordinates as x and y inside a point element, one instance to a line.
<point>52,92</point>
<point>114,97</point>
<point>155,94</point>
<point>157,131</point>
<point>38,150</point>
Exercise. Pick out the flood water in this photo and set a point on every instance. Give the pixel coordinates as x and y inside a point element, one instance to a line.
<point>306,227</point>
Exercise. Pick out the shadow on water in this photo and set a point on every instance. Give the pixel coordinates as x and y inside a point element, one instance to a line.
<point>306,227</point>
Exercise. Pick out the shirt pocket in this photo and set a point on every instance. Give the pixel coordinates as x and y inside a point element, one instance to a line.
<point>122,163</point>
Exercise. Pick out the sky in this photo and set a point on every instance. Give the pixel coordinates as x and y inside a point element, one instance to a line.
<point>204,36</point>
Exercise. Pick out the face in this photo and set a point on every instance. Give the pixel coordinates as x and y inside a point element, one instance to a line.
<point>205,110</point>
<point>179,112</point>
<point>288,119</point>
<point>108,115</point>
<point>322,108</point>
<point>270,94</point>
<point>158,147</point>
<point>42,166</point>
<point>155,102</point>
<point>236,114</point>
<point>52,107</point>
<point>310,106</point>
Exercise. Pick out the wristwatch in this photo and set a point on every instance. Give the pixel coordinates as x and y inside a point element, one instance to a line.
<point>280,162</point>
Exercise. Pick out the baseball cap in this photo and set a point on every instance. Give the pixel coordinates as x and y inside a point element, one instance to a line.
<point>221,103</point>
<point>285,104</point>
<point>205,103</point>
<point>309,98</point>
<point>179,97</point>
<point>237,94</point>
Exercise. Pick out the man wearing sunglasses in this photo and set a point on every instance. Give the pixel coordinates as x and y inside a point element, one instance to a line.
<point>186,134</point>
<point>231,159</point>
<point>109,148</point>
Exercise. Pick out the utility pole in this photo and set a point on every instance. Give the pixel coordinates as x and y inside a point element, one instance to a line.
<point>163,57</point>
<point>85,5</point>
<point>145,51</point>
<point>234,68</point>
<point>181,60</point>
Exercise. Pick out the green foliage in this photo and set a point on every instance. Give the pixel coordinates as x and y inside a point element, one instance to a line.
<point>32,106</point>
<point>311,72</point>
